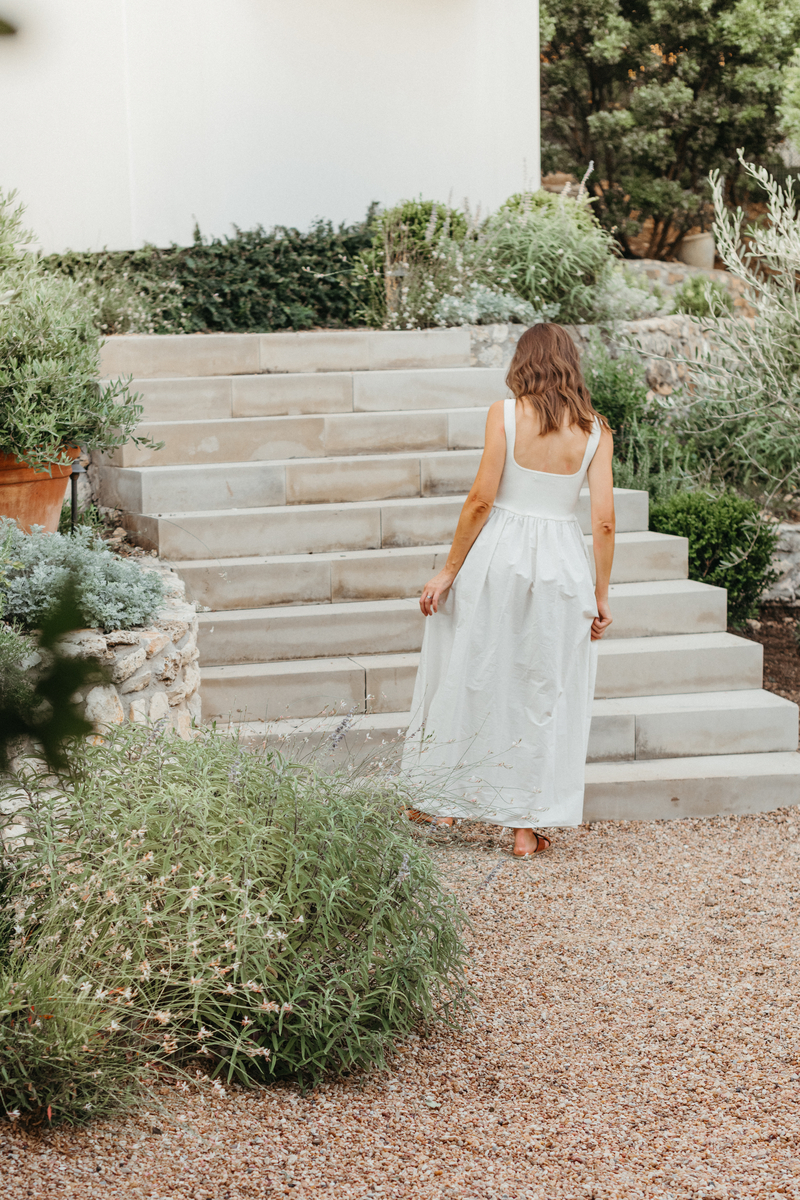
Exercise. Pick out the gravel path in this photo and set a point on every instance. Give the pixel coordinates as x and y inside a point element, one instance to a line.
<point>637,1035</point>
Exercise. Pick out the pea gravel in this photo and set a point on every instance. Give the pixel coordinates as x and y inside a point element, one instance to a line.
<point>635,1035</point>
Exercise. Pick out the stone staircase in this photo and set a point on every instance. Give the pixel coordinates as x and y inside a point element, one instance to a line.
<point>309,485</point>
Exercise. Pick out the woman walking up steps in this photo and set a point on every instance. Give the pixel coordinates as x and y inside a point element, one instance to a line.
<point>502,701</point>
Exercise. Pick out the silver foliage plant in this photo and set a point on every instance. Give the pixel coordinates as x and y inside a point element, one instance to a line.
<point>113,593</point>
<point>743,407</point>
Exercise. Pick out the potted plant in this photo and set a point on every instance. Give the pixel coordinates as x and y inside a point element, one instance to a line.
<point>51,401</point>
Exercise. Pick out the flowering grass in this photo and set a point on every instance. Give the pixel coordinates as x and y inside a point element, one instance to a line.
<point>178,899</point>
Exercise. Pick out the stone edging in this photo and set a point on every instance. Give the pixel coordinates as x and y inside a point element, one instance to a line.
<point>154,671</point>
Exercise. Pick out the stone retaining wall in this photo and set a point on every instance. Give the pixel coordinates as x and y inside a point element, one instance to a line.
<point>787,563</point>
<point>661,341</point>
<point>154,671</point>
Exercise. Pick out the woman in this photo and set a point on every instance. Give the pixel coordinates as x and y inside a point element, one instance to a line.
<point>502,702</point>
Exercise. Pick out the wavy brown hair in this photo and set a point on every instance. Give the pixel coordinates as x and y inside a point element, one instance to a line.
<point>546,370</point>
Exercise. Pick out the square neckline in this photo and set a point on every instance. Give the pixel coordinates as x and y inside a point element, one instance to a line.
<point>533,470</point>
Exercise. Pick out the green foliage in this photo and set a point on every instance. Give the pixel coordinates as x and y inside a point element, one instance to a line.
<point>112,593</point>
<point>702,297</point>
<point>655,94</point>
<point>742,411</point>
<point>49,361</point>
<point>729,546</point>
<point>255,280</point>
<point>200,900</point>
<point>647,454</point>
<point>42,706</point>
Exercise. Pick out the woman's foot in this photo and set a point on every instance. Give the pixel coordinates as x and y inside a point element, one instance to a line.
<point>423,818</point>
<point>527,842</point>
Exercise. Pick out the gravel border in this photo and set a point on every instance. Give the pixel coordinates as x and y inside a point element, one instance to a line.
<point>636,1036</point>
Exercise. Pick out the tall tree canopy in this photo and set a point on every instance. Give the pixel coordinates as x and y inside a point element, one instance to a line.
<point>658,93</point>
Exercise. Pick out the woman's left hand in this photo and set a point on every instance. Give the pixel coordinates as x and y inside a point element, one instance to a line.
<point>435,589</point>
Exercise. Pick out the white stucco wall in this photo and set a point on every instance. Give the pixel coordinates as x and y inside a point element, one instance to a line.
<point>125,121</point>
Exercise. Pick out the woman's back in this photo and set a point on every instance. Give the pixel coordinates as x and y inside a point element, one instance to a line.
<point>557,453</point>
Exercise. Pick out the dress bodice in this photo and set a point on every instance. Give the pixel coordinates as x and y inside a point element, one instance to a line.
<point>540,493</point>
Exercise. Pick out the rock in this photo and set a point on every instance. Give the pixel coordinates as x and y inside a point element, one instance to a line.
<point>195,707</point>
<point>191,677</point>
<point>159,707</point>
<point>103,707</point>
<point>175,629</point>
<point>138,711</point>
<point>85,643</point>
<point>177,695</point>
<point>181,722</point>
<point>188,649</point>
<point>126,665</point>
<point>137,684</point>
<point>153,640</point>
<point>169,668</point>
<point>122,637</point>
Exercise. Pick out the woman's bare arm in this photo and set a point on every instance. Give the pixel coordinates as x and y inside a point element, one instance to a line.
<point>475,512</point>
<point>601,493</point>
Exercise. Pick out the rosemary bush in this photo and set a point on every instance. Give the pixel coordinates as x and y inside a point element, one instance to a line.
<point>112,592</point>
<point>199,900</point>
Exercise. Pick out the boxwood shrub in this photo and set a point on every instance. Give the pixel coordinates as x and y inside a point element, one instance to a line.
<point>729,545</point>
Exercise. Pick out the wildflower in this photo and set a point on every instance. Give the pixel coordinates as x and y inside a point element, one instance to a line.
<point>14,1114</point>
<point>148,921</point>
<point>199,873</point>
<point>78,925</point>
<point>100,994</point>
<point>85,987</point>
<point>170,1043</point>
<point>144,967</point>
<point>127,955</point>
<point>195,947</point>
<point>147,858</point>
<point>252,986</point>
<point>259,1052</point>
<point>114,1027</point>
<point>247,1021</point>
<point>219,1090</point>
<point>203,1033</point>
<point>299,920</point>
<point>193,892</point>
<point>268,1006</point>
<point>287,1008</point>
<point>229,989</point>
<point>195,980</point>
<point>164,1018</point>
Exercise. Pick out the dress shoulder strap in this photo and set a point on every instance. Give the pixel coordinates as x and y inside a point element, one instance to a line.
<point>510,425</point>
<point>592,444</point>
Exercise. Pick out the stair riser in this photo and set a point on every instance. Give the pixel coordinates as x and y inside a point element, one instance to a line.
<point>252,353</point>
<point>263,439</point>
<point>384,575</point>
<point>666,799</point>
<point>224,397</point>
<point>299,530</point>
<point>227,638</point>
<point>269,692</point>
<point>261,485</point>
<point>612,739</point>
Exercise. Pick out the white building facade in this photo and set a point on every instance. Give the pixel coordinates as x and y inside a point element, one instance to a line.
<point>128,121</point>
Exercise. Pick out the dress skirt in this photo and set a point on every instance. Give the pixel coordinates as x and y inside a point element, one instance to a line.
<point>502,702</point>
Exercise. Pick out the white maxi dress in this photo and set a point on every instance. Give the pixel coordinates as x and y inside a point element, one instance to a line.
<point>502,701</point>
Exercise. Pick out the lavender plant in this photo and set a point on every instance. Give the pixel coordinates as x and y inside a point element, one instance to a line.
<point>189,900</point>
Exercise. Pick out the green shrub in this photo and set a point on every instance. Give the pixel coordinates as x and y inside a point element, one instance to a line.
<point>17,656</point>
<point>233,906</point>
<point>554,254</point>
<point>113,593</point>
<point>255,280</point>
<point>700,296</point>
<point>49,361</point>
<point>728,545</point>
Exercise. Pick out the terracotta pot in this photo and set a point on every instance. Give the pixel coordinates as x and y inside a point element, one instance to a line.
<point>33,497</point>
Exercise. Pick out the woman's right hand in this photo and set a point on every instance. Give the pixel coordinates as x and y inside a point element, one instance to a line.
<point>602,621</point>
<point>435,589</point>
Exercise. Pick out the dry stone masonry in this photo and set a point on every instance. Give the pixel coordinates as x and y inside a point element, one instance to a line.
<point>154,672</point>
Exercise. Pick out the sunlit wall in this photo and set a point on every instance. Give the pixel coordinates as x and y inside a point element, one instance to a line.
<point>126,121</point>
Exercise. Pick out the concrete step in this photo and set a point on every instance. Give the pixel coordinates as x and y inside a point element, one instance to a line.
<point>666,666</point>
<point>650,727</point>
<point>669,788</point>
<point>260,582</point>
<point>160,356</point>
<point>323,528</point>
<point>220,397</point>
<point>289,481</point>
<point>641,610</point>
<point>270,439</point>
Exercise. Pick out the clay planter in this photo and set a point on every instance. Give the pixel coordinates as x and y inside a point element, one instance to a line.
<point>33,497</point>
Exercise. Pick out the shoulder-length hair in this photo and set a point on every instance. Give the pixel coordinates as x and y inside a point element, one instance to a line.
<point>546,371</point>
